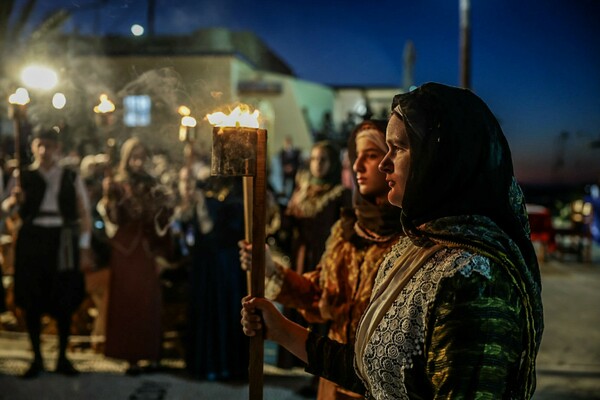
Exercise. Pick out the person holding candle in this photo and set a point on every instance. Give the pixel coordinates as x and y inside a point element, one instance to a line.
<point>52,247</point>
<point>137,209</point>
<point>456,309</point>
<point>338,290</point>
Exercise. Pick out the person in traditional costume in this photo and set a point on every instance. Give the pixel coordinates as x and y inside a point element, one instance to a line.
<point>208,223</point>
<point>339,288</point>
<point>315,205</point>
<point>137,211</point>
<point>53,245</point>
<point>456,307</point>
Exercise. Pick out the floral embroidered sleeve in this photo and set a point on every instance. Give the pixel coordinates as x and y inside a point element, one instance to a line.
<point>475,334</point>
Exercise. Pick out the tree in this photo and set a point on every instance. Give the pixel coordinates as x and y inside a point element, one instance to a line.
<point>17,39</point>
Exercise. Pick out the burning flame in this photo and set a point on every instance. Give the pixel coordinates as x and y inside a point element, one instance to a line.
<point>239,117</point>
<point>183,110</point>
<point>20,97</point>
<point>188,121</point>
<point>105,105</point>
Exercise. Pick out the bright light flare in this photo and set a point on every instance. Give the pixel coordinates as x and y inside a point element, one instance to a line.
<point>59,101</point>
<point>19,97</point>
<point>183,110</point>
<point>39,77</point>
<point>239,117</point>
<point>188,121</point>
<point>105,106</point>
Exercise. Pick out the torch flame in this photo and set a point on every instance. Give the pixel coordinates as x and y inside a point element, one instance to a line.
<point>105,105</point>
<point>240,116</point>
<point>20,97</point>
<point>184,111</point>
<point>188,121</point>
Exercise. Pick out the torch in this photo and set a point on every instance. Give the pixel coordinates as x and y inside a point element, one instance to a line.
<point>240,149</point>
<point>104,119</point>
<point>18,113</point>
<point>187,133</point>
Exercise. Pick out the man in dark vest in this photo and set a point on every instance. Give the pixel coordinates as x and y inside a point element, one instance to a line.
<point>53,243</point>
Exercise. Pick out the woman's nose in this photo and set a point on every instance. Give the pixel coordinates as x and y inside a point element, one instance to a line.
<point>384,165</point>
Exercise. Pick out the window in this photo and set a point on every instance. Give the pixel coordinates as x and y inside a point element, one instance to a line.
<point>137,110</point>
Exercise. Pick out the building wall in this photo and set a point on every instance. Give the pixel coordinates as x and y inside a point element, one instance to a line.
<point>210,83</point>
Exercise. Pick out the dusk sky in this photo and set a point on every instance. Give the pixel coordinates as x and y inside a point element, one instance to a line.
<point>536,63</point>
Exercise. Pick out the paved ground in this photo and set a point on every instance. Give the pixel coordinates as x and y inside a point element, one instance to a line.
<point>568,363</point>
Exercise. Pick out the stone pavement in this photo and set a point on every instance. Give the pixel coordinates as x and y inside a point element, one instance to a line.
<point>102,378</point>
<point>568,362</point>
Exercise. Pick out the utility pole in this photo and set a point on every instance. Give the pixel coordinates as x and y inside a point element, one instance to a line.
<point>410,57</point>
<point>465,43</point>
<point>151,16</point>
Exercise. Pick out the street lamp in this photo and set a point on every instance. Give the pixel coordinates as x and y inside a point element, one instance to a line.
<point>39,77</point>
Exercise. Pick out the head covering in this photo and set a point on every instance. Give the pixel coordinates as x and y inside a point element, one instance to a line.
<point>461,189</point>
<point>45,132</point>
<point>460,160</point>
<point>384,219</point>
<point>124,172</point>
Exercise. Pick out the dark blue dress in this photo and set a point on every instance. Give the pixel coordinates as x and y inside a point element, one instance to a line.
<point>216,347</point>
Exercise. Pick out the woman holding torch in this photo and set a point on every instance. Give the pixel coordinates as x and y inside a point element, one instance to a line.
<point>338,290</point>
<point>456,307</point>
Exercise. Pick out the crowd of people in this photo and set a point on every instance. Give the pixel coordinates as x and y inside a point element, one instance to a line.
<point>409,275</point>
<point>122,228</point>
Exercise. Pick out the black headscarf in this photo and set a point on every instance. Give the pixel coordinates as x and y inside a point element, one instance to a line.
<point>460,161</point>
<point>461,191</point>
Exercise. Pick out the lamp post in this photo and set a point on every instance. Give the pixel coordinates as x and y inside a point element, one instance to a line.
<point>465,43</point>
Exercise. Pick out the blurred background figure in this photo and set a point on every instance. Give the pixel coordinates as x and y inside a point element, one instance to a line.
<point>139,210</point>
<point>314,207</point>
<point>53,208</point>
<point>290,159</point>
<point>92,170</point>
<point>208,224</point>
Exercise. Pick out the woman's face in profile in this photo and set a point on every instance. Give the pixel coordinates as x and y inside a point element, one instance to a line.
<point>371,182</point>
<point>319,162</point>
<point>396,162</point>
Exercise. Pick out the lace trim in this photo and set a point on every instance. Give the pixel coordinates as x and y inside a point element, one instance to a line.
<point>400,336</point>
<point>388,262</point>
